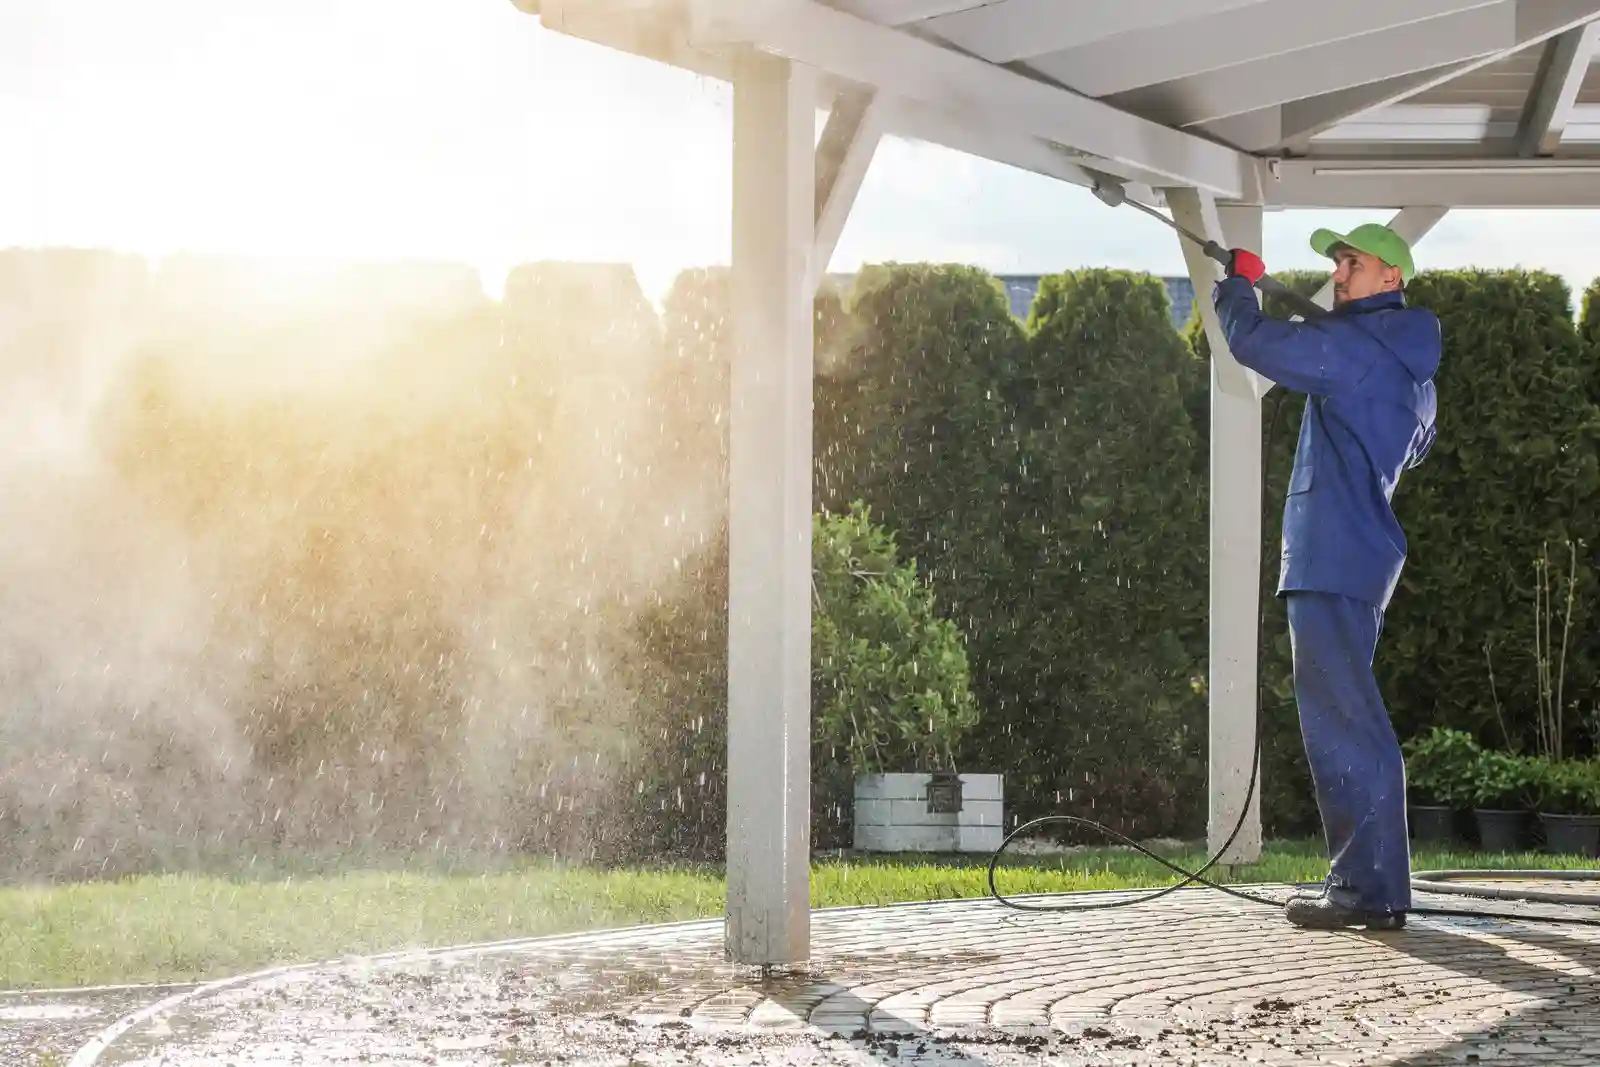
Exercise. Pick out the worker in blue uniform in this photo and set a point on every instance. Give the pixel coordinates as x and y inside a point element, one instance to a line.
<point>1367,372</point>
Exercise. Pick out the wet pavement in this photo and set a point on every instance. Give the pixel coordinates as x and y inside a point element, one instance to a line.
<point>1196,978</point>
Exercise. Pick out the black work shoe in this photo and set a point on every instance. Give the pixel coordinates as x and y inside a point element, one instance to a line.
<point>1320,913</point>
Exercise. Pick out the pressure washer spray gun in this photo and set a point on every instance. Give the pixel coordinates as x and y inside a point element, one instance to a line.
<point>1114,195</point>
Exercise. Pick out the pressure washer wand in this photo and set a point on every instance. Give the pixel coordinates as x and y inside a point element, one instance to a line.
<point>1115,196</point>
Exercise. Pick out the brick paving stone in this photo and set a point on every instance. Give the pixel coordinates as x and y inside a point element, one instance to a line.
<point>1192,978</point>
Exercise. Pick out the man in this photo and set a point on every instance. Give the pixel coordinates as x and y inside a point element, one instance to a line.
<point>1367,371</point>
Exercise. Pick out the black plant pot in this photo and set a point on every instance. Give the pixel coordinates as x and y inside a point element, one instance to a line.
<point>1501,831</point>
<point>1571,835</point>
<point>1432,824</point>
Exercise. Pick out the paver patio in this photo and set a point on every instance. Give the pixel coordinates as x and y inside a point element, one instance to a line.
<point>1193,978</point>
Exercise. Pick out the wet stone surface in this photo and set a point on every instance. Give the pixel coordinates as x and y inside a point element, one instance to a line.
<point>1194,978</point>
<point>37,1026</point>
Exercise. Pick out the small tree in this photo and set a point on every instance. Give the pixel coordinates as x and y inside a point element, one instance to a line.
<point>890,683</point>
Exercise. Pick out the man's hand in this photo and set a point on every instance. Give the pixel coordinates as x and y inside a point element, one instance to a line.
<point>1246,264</point>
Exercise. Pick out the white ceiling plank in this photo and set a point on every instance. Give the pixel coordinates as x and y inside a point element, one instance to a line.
<point>973,90</point>
<point>1537,21</point>
<point>655,34</point>
<point>1561,73</point>
<point>901,12</point>
<point>1486,183</point>
<point>1262,30</point>
<point>1237,90</point>
<point>1009,30</point>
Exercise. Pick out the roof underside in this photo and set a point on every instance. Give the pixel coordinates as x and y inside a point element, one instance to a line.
<point>1310,102</point>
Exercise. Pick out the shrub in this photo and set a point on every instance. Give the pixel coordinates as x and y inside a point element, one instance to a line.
<point>681,668</point>
<point>1565,787</point>
<point>1441,767</point>
<point>1049,487</point>
<point>1514,475</point>
<point>1106,659</point>
<point>1503,781</point>
<point>1589,314</point>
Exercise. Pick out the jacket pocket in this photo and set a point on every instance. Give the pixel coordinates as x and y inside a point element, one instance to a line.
<point>1300,479</point>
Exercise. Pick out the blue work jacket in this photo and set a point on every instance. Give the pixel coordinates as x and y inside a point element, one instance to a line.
<point>1367,371</point>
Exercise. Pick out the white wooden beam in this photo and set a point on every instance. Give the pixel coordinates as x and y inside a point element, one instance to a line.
<point>919,121</point>
<point>844,154</point>
<point>1295,123</point>
<point>1478,31</point>
<point>1008,30</point>
<point>1235,583</point>
<point>769,561</point>
<point>1555,90</point>
<point>1391,182</point>
<point>974,91</point>
<point>1168,52</point>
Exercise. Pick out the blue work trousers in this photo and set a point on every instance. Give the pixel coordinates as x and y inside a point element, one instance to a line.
<point>1356,765</point>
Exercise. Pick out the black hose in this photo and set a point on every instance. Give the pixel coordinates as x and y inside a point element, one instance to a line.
<point>1441,882</point>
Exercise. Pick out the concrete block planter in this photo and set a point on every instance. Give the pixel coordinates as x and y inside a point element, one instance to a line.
<point>929,812</point>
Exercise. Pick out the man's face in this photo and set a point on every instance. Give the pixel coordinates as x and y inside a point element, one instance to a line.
<point>1360,274</point>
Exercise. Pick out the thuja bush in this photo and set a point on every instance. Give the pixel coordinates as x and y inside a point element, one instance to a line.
<point>1479,622</point>
<point>889,678</point>
<point>1097,679</point>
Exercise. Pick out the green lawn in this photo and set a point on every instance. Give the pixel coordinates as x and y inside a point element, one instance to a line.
<point>193,927</point>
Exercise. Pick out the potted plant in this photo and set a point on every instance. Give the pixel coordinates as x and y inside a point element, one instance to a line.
<point>1567,798</point>
<point>1500,797</point>
<point>891,700</point>
<point>1440,766</point>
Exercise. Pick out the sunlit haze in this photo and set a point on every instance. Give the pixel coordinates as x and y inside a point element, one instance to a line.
<point>463,131</point>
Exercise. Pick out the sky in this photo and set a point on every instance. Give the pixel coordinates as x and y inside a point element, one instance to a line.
<point>461,130</point>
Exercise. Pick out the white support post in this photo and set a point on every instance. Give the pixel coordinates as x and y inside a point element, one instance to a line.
<point>769,582</point>
<point>1235,586</point>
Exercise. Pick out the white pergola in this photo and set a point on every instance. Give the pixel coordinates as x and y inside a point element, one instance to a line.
<point>1217,110</point>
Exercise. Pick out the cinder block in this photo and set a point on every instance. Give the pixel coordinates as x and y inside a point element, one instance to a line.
<point>979,838</point>
<point>982,787</point>
<point>981,813</point>
<point>906,838</point>
<point>872,812</point>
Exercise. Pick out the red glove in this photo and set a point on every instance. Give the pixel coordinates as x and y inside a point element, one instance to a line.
<point>1246,265</point>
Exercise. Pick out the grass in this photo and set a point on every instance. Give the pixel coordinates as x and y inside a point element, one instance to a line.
<point>189,927</point>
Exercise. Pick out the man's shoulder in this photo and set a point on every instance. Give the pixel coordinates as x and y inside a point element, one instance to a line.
<point>1412,325</point>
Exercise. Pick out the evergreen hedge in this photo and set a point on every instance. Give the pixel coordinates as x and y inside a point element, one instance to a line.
<point>1001,453</point>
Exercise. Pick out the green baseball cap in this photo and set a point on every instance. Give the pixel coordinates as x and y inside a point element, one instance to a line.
<point>1373,239</point>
